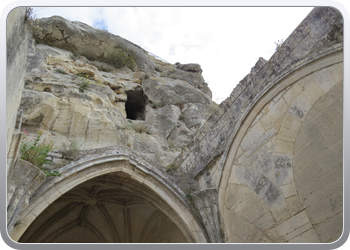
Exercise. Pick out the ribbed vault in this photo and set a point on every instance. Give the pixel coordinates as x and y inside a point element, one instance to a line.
<point>106,209</point>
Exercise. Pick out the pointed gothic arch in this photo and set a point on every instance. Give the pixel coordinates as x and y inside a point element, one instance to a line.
<point>87,187</point>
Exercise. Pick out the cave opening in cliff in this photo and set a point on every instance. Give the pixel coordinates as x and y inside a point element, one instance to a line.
<point>135,104</point>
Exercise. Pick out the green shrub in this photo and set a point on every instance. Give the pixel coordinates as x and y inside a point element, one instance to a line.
<point>54,173</point>
<point>182,117</point>
<point>83,75</point>
<point>33,23</point>
<point>99,83</point>
<point>155,105</point>
<point>120,58</point>
<point>189,196</point>
<point>75,55</point>
<point>61,71</point>
<point>83,85</point>
<point>171,167</point>
<point>36,153</point>
<point>173,149</point>
<point>17,224</point>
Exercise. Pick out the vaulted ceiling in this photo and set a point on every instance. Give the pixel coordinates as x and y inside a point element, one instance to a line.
<point>107,209</point>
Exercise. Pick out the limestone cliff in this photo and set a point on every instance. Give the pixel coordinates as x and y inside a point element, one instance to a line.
<point>77,90</point>
<point>155,166</point>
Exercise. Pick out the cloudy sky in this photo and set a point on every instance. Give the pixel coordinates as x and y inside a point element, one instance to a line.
<point>225,41</point>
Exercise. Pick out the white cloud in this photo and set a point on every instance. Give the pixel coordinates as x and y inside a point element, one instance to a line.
<point>225,41</point>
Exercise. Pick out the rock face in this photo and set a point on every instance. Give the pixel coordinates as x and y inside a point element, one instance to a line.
<point>92,43</point>
<point>73,93</point>
<point>155,160</point>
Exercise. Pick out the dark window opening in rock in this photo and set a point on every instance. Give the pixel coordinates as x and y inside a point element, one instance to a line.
<point>135,104</point>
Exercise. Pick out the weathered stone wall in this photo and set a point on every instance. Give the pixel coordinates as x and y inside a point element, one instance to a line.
<point>16,39</point>
<point>96,116</point>
<point>318,35</point>
<point>276,187</point>
<point>129,166</point>
<point>318,153</point>
<point>23,180</point>
<point>241,176</point>
<point>207,162</point>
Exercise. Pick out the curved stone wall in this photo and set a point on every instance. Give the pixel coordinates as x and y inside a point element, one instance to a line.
<point>319,35</point>
<point>318,164</point>
<point>275,187</point>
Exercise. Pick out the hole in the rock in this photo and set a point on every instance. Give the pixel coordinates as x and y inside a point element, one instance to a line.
<point>135,104</point>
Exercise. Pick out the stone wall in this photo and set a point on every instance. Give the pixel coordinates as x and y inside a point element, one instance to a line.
<point>265,167</point>
<point>129,167</point>
<point>16,39</point>
<point>285,173</point>
<point>315,48</point>
<point>318,35</point>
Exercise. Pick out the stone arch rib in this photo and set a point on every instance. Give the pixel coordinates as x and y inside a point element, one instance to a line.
<point>108,220</point>
<point>147,225</point>
<point>115,160</point>
<point>54,219</point>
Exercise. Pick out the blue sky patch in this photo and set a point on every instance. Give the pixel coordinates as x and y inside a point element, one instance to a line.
<point>100,25</point>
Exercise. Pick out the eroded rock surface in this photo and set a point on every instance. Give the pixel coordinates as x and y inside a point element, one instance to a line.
<point>74,94</point>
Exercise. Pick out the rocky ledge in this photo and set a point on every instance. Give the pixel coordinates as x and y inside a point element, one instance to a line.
<point>90,88</point>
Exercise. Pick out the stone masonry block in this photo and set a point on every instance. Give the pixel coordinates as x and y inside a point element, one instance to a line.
<point>332,157</point>
<point>298,231</point>
<point>288,190</point>
<point>320,30</point>
<point>252,135</point>
<point>324,79</point>
<point>265,165</point>
<point>306,150</point>
<point>292,223</point>
<point>329,230</point>
<point>307,237</point>
<point>286,134</point>
<point>302,49</point>
<point>247,177</point>
<point>280,211</point>
<point>325,208</point>
<point>313,90</point>
<point>265,222</point>
<point>302,30</point>
<point>294,205</point>
<point>284,147</point>
<point>337,72</point>
<point>291,123</point>
<point>288,46</point>
<point>300,106</point>
<point>292,93</point>
<point>262,185</point>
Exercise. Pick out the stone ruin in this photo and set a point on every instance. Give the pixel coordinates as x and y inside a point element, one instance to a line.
<point>156,160</point>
